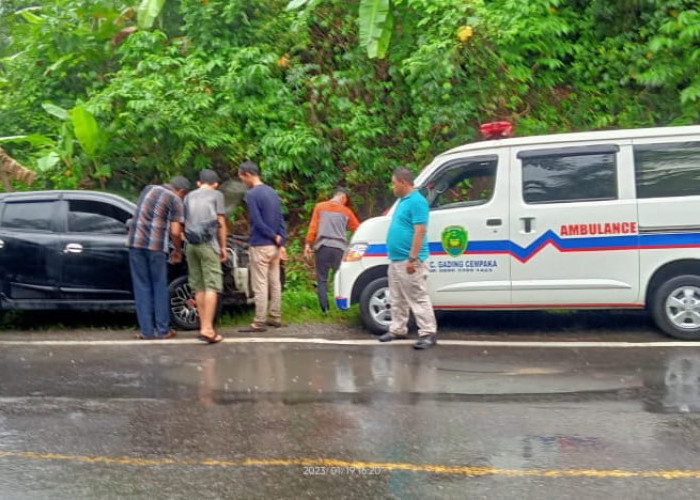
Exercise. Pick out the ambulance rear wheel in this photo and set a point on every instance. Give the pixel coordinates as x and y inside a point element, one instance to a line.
<point>375,306</point>
<point>676,307</point>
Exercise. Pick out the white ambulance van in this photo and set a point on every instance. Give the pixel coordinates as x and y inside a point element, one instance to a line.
<point>593,220</point>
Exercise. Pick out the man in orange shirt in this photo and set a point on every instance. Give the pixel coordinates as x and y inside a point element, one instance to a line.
<point>328,239</point>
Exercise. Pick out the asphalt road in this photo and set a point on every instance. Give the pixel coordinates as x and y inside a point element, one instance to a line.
<point>521,405</point>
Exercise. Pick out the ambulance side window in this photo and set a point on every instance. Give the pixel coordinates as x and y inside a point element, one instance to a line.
<point>566,175</point>
<point>665,170</point>
<point>462,183</point>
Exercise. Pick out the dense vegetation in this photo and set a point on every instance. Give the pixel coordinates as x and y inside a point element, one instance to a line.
<point>115,94</point>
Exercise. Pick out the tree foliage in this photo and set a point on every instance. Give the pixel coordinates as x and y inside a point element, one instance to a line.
<point>118,93</point>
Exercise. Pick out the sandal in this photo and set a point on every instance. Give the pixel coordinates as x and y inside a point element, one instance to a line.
<point>211,340</point>
<point>169,335</point>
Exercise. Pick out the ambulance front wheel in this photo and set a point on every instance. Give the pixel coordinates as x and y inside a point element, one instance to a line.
<point>676,307</point>
<point>375,306</point>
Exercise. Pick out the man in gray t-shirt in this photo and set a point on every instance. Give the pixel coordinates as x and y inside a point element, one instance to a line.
<point>205,232</point>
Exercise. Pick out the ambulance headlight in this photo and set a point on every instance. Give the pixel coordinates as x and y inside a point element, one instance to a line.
<point>355,252</point>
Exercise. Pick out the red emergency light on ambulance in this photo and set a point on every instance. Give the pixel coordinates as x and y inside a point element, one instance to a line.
<point>591,220</point>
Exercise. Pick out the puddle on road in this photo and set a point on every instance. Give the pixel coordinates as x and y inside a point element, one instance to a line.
<point>299,376</point>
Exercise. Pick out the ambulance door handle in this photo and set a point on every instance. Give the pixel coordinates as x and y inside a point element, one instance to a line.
<point>527,223</point>
<point>494,222</point>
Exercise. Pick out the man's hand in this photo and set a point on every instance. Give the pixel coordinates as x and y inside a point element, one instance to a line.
<point>278,240</point>
<point>175,256</point>
<point>411,266</point>
<point>222,255</point>
<point>307,252</point>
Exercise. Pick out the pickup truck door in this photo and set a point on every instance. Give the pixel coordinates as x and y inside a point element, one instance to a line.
<point>29,258</point>
<point>94,255</point>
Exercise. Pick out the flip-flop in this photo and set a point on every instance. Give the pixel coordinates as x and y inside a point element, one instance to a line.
<point>211,340</point>
<point>170,334</point>
<point>205,338</point>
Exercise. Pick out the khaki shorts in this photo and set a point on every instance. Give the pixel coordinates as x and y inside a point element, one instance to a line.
<point>204,268</point>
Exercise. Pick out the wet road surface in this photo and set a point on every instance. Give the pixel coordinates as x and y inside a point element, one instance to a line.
<point>97,415</point>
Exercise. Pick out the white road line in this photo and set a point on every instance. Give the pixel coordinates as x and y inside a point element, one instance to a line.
<point>358,342</point>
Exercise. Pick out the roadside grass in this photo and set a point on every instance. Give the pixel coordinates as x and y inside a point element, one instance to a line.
<point>298,306</point>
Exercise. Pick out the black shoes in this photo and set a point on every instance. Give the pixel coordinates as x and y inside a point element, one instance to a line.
<point>425,341</point>
<point>388,337</point>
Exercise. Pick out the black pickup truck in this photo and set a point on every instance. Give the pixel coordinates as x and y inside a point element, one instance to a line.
<point>67,250</point>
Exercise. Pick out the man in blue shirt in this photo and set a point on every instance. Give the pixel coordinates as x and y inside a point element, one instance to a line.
<point>267,239</point>
<point>407,245</point>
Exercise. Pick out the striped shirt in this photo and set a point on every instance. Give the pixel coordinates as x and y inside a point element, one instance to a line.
<point>157,207</point>
<point>329,224</point>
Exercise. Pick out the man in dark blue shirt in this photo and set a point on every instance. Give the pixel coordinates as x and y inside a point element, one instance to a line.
<point>267,238</point>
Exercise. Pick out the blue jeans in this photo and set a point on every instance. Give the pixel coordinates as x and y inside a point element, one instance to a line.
<point>149,278</point>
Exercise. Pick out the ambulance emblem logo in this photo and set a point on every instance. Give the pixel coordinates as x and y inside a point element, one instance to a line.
<point>454,240</point>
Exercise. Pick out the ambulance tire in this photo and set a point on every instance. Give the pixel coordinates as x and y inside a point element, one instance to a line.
<point>673,298</point>
<point>375,306</point>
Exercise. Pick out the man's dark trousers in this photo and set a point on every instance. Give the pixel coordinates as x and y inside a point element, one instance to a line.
<point>327,258</point>
<point>149,276</point>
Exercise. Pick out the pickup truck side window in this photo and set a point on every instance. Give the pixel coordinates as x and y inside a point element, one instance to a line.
<point>563,176</point>
<point>665,170</point>
<point>87,216</point>
<point>462,183</point>
<point>28,215</point>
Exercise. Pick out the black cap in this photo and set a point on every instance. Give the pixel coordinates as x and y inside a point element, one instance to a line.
<point>208,176</point>
<point>180,182</point>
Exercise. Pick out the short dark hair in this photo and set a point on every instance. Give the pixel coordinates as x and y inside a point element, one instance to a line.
<point>249,167</point>
<point>208,176</point>
<point>404,174</point>
<point>180,182</point>
<point>342,190</point>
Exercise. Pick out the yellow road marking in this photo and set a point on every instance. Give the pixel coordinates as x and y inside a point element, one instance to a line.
<point>461,470</point>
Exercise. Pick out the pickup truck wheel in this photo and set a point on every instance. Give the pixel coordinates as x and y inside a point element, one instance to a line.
<point>676,307</point>
<point>375,306</point>
<point>183,309</point>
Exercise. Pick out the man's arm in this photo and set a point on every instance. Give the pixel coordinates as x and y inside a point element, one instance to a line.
<point>419,231</point>
<point>257,220</point>
<point>312,234</point>
<point>313,227</point>
<point>221,232</point>
<point>281,237</point>
<point>353,222</point>
<point>176,236</point>
<point>418,234</point>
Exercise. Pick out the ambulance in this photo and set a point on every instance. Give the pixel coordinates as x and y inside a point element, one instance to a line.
<point>589,220</point>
